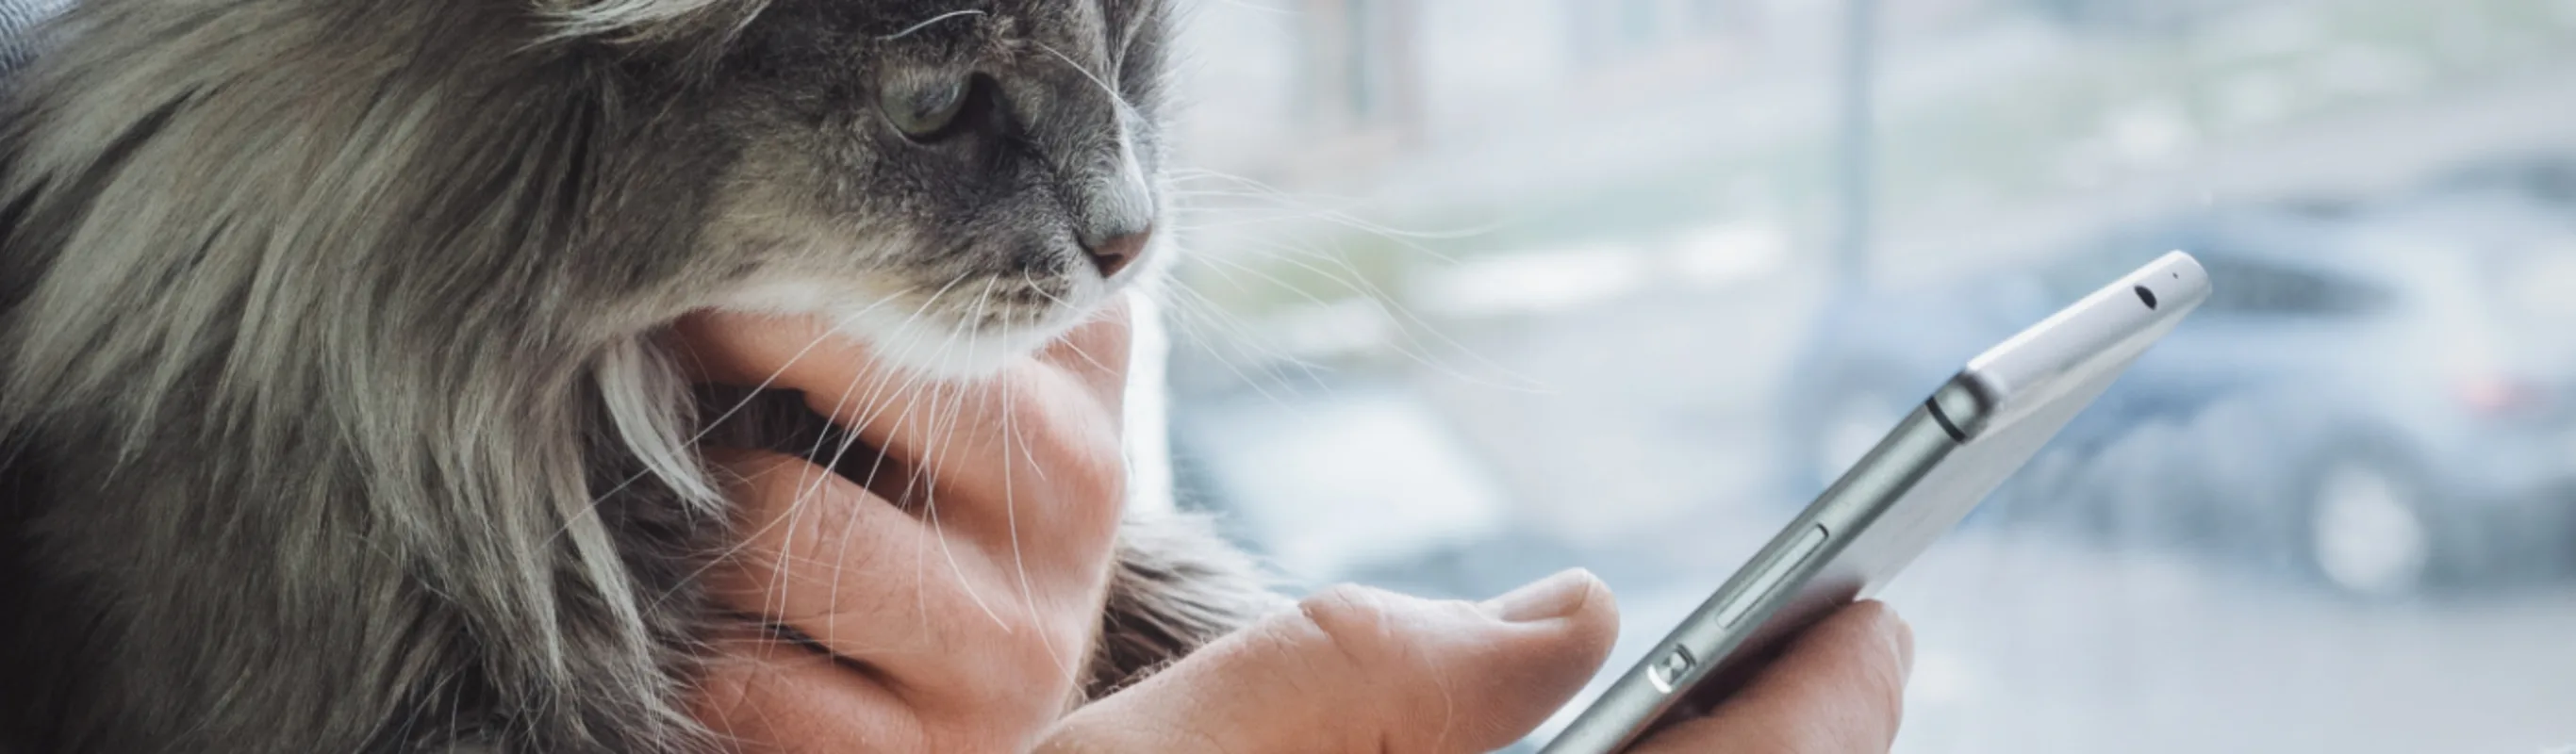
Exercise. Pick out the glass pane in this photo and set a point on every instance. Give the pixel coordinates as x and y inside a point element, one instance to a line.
<point>1575,297</point>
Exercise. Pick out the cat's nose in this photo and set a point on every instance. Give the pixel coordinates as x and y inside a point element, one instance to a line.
<point>1116,215</point>
<point>1114,253</point>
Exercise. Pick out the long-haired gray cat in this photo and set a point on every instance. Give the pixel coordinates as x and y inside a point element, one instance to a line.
<point>324,322</point>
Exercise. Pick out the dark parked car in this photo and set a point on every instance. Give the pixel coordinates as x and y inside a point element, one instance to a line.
<point>2357,400</point>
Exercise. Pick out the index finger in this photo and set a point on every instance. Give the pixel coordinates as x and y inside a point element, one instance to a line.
<point>1097,351</point>
<point>983,442</point>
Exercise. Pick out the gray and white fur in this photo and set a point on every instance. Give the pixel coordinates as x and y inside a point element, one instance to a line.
<point>335,413</point>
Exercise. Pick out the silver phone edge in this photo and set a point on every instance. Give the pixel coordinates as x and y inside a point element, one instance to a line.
<point>1953,414</point>
<point>1913,449</point>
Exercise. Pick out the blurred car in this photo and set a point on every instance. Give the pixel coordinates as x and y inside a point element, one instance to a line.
<point>2359,399</point>
<point>2540,177</point>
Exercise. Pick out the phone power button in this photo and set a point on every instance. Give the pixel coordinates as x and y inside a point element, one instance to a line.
<point>1667,673</point>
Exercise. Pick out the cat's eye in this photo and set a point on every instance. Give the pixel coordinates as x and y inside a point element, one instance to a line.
<point>924,112</point>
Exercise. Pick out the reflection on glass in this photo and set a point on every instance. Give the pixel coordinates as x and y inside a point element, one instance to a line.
<point>1480,289</point>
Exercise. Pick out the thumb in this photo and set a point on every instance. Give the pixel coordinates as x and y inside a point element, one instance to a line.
<point>1361,670</point>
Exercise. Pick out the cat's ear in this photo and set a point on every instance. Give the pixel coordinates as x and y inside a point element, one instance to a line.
<point>645,20</point>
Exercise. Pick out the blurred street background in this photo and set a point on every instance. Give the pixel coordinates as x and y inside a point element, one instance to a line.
<point>1483,289</point>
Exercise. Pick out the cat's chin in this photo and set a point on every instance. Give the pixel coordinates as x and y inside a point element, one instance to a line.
<point>950,353</point>
<point>932,345</point>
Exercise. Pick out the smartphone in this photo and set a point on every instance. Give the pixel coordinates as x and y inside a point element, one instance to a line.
<point>1918,482</point>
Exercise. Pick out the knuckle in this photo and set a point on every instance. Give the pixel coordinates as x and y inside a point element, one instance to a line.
<point>1888,680</point>
<point>1359,626</point>
<point>818,530</point>
<point>1010,671</point>
<point>1097,479</point>
<point>1074,442</point>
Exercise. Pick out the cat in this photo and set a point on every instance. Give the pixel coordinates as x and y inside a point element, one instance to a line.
<point>332,415</point>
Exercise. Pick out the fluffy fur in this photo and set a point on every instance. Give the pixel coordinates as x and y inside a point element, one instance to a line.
<point>331,415</point>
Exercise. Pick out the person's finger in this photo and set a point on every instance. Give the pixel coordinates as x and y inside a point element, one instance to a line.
<point>1360,670</point>
<point>929,615</point>
<point>1032,448</point>
<point>1838,689</point>
<point>764,695</point>
<point>1098,351</point>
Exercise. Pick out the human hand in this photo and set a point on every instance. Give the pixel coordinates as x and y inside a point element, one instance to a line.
<point>1359,670</point>
<point>1839,688</point>
<point>967,630</point>
<point>952,601</point>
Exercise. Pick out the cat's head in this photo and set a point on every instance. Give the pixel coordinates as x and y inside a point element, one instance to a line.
<point>515,183</point>
<point>957,181</point>
<point>418,246</point>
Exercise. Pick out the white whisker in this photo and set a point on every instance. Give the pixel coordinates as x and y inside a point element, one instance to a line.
<point>708,426</point>
<point>916,28</point>
<point>745,541</point>
<point>1359,283</point>
<point>1241,343</point>
<point>1096,80</point>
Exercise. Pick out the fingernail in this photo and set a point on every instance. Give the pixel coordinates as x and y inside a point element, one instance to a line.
<point>1548,598</point>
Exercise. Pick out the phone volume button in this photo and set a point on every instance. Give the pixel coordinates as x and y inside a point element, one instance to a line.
<point>1772,576</point>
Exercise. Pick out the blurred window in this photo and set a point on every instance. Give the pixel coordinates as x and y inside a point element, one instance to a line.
<point>1713,15</point>
<point>1347,55</point>
<point>2261,288</point>
<point>1637,22</point>
<point>2249,544</point>
<point>1361,29</point>
<point>2083,273</point>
